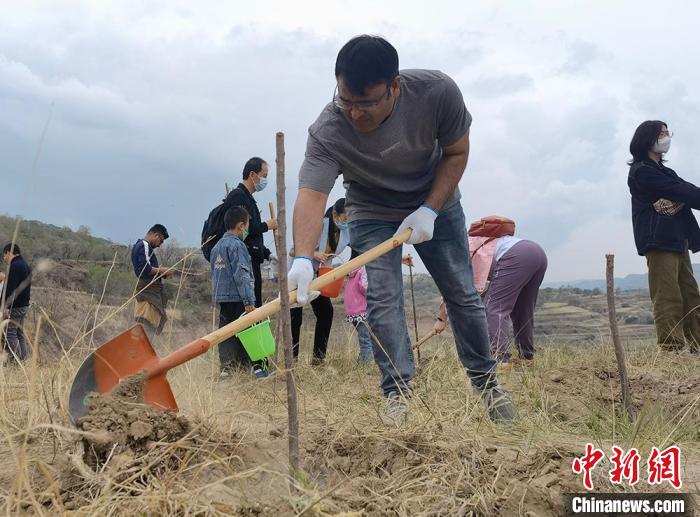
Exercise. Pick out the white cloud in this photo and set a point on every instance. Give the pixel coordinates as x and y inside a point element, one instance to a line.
<point>582,254</point>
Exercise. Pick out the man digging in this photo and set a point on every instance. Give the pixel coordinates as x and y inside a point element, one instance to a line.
<point>401,142</point>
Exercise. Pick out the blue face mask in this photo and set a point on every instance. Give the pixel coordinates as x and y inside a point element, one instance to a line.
<point>343,225</point>
<point>261,186</point>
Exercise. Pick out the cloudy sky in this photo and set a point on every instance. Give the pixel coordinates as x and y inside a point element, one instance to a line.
<point>153,105</point>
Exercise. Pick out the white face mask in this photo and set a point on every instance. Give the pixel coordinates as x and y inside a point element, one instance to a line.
<point>662,145</point>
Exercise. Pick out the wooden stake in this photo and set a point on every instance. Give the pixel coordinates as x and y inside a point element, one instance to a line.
<point>413,301</point>
<point>281,237</point>
<point>619,351</point>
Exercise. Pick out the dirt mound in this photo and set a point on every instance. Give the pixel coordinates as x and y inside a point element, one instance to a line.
<point>129,445</point>
<point>356,455</point>
<point>120,422</point>
<point>537,480</point>
<point>128,453</point>
<point>424,474</point>
<point>409,473</point>
<point>380,473</point>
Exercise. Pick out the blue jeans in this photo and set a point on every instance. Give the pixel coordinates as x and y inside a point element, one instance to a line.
<point>364,339</point>
<point>14,333</point>
<point>447,258</point>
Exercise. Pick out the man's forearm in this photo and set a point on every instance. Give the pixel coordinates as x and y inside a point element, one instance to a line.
<point>449,171</point>
<point>308,221</point>
<point>447,176</point>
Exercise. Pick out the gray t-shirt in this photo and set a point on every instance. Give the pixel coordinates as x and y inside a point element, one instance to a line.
<point>388,172</point>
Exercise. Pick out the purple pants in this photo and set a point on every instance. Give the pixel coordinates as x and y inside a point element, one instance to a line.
<point>511,299</point>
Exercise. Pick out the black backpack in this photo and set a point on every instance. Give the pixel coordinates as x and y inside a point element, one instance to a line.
<point>213,229</point>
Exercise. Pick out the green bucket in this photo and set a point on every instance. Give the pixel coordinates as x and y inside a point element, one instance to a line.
<point>258,340</point>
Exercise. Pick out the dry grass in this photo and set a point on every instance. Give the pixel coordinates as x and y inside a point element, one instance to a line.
<point>448,460</point>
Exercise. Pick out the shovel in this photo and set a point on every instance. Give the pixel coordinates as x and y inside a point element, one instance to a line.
<point>131,352</point>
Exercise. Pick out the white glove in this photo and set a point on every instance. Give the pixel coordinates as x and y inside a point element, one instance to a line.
<point>312,296</point>
<point>300,276</point>
<point>422,222</point>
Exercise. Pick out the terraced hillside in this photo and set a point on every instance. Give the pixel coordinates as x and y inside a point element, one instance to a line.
<point>585,318</point>
<point>563,315</point>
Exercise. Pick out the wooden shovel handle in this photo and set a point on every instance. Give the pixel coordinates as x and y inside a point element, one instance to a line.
<point>202,345</point>
<point>273,307</point>
<point>274,232</point>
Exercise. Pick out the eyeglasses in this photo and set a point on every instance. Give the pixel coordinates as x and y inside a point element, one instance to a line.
<point>666,133</point>
<point>360,105</point>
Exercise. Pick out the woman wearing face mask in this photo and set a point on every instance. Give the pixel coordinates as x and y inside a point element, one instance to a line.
<point>334,239</point>
<point>665,231</point>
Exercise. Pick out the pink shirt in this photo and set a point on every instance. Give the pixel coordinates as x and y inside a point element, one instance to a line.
<point>482,259</point>
<point>354,296</point>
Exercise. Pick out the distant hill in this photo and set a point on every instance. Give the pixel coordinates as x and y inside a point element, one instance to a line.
<point>630,282</point>
<point>74,260</point>
<point>41,240</point>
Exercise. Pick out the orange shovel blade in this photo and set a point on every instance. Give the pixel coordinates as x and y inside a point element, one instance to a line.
<point>127,354</point>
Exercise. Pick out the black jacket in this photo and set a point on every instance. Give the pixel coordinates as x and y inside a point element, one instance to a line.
<point>18,284</point>
<point>240,196</point>
<point>649,181</point>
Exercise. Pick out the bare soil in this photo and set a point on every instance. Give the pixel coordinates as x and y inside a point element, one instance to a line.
<point>120,423</point>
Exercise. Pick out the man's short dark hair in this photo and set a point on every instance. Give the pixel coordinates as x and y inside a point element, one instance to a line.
<point>339,206</point>
<point>160,229</point>
<point>235,215</point>
<point>366,61</point>
<point>255,164</point>
<point>645,136</point>
<point>11,248</point>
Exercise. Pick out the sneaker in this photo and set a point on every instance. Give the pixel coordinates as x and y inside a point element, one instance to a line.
<point>260,373</point>
<point>499,405</point>
<point>395,409</point>
<point>225,374</point>
<point>317,361</point>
